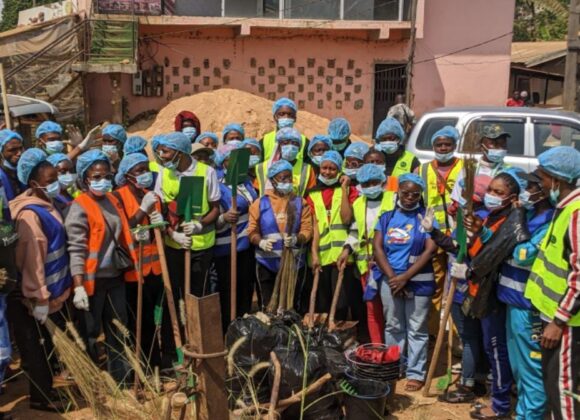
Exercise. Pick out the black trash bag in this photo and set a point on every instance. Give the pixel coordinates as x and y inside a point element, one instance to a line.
<point>333,339</point>
<point>241,387</point>
<point>290,318</point>
<point>336,363</point>
<point>261,339</point>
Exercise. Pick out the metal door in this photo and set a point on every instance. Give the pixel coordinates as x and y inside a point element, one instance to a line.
<point>389,81</point>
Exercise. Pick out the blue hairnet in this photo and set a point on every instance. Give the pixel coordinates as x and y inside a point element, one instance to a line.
<point>288,134</point>
<point>279,166</point>
<point>370,172</point>
<point>233,127</point>
<point>56,158</point>
<point>134,144</point>
<point>319,139</point>
<point>253,142</point>
<point>516,173</point>
<point>116,131</point>
<point>87,159</point>
<point>414,178</point>
<point>332,156</point>
<point>390,126</point>
<point>29,160</point>
<point>339,129</point>
<point>7,135</point>
<point>283,102</point>
<point>562,162</point>
<point>207,135</point>
<point>357,150</point>
<point>448,131</point>
<point>127,163</point>
<point>47,127</point>
<point>175,140</point>
<point>224,153</point>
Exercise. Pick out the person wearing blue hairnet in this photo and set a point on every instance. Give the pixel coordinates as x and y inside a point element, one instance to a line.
<point>11,148</point>
<point>102,258</point>
<point>330,202</point>
<point>234,134</point>
<point>316,148</point>
<point>114,138</point>
<point>372,202</point>
<point>289,143</point>
<point>354,156</point>
<point>49,136</point>
<point>390,140</point>
<point>255,148</point>
<point>269,233</point>
<point>135,144</point>
<point>405,280</point>
<point>246,194</point>
<point>553,286</point>
<point>284,112</point>
<point>339,133</point>
<point>440,175</point>
<point>43,264</point>
<point>67,178</point>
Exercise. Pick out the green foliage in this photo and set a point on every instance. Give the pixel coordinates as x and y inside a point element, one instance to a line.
<point>11,9</point>
<point>540,20</point>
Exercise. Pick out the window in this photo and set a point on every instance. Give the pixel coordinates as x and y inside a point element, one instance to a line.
<point>514,127</point>
<point>429,128</point>
<point>551,133</point>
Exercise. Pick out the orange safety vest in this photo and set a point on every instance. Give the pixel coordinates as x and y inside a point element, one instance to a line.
<point>150,263</point>
<point>96,238</point>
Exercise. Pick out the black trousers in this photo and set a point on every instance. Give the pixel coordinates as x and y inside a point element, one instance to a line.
<point>265,286</point>
<point>246,278</point>
<point>39,360</point>
<point>561,371</point>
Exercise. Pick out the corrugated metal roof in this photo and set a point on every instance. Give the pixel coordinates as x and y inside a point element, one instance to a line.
<point>532,54</point>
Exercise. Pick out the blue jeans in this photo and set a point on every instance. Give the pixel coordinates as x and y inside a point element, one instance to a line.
<point>5,346</point>
<point>469,330</point>
<point>406,326</point>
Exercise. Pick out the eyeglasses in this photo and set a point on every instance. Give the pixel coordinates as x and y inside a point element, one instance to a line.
<point>410,194</point>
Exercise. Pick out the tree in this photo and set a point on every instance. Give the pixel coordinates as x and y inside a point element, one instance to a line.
<point>540,20</point>
<point>11,9</point>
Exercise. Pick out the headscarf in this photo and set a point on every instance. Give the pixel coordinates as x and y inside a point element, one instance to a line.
<point>186,115</point>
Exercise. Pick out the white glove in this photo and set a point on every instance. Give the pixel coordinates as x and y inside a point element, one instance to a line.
<point>40,313</point>
<point>427,220</point>
<point>148,202</point>
<point>89,139</point>
<point>155,218</point>
<point>290,240</point>
<point>81,299</point>
<point>142,235</point>
<point>266,245</point>
<point>459,270</point>
<point>191,228</point>
<point>182,239</point>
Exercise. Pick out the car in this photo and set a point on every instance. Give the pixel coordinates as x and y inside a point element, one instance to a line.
<point>532,130</point>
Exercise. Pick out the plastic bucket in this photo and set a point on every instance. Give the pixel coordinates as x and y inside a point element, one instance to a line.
<point>369,401</point>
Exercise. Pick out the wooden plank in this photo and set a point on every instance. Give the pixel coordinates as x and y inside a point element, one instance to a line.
<point>204,327</point>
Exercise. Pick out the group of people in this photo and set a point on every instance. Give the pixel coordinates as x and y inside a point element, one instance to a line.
<point>372,213</point>
<point>519,99</point>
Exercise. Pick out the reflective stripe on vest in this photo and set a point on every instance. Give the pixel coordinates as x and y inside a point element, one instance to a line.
<point>269,230</point>
<point>170,181</point>
<point>332,235</point>
<point>300,177</point>
<point>365,247</point>
<point>433,197</point>
<point>150,263</point>
<point>57,276</point>
<point>269,146</point>
<point>548,279</point>
<point>403,166</point>
<point>96,236</point>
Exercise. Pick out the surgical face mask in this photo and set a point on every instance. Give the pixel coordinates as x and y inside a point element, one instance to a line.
<point>317,160</point>
<point>145,180</point>
<point>372,192</point>
<point>492,202</point>
<point>254,160</point>
<point>284,188</point>
<point>339,146</point>
<point>51,190</point>
<point>496,155</point>
<point>234,143</point>
<point>101,187</point>
<point>388,147</point>
<point>381,166</point>
<point>327,181</point>
<point>525,198</point>
<point>554,194</point>
<point>109,149</point>
<point>286,122</point>
<point>173,163</point>
<point>350,172</point>
<point>190,132</point>
<point>444,157</point>
<point>413,207</point>
<point>8,165</point>
<point>68,179</point>
<point>55,146</point>
<point>289,152</point>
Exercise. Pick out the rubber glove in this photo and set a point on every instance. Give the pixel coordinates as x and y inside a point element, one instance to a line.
<point>40,313</point>
<point>182,239</point>
<point>155,218</point>
<point>459,270</point>
<point>89,139</point>
<point>266,245</point>
<point>427,220</point>
<point>192,228</point>
<point>81,299</point>
<point>148,202</point>
<point>290,240</point>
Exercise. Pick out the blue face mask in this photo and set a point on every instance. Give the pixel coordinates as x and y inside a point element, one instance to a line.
<point>338,146</point>
<point>190,132</point>
<point>101,187</point>
<point>444,157</point>
<point>234,143</point>
<point>52,190</point>
<point>496,155</point>
<point>68,179</point>
<point>388,147</point>
<point>317,160</point>
<point>327,181</point>
<point>381,166</point>
<point>55,146</point>
<point>525,198</point>
<point>372,192</point>
<point>289,152</point>
<point>554,194</point>
<point>144,180</point>
<point>254,160</point>
<point>8,165</point>
<point>286,122</point>
<point>284,188</point>
<point>492,202</point>
<point>412,208</point>
<point>350,172</point>
<point>109,149</point>
<point>173,163</point>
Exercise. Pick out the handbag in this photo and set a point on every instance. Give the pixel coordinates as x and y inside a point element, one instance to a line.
<point>121,258</point>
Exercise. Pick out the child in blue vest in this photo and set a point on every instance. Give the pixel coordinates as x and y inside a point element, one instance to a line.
<point>403,254</point>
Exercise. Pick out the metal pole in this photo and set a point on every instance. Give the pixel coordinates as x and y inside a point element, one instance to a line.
<point>409,69</point>
<point>571,70</point>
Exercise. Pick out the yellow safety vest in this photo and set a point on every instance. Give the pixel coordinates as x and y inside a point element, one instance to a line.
<point>433,197</point>
<point>548,279</point>
<point>333,235</point>
<point>170,189</point>
<point>269,145</point>
<point>300,177</point>
<point>365,237</point>
<point>154,166</point>
<point>403,166</point>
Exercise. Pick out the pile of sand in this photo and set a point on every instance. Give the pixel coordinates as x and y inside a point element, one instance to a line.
<point>217,108</point>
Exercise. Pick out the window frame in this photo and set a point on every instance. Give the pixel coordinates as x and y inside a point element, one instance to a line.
<point>490,118</point>
<point>550,120</point>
